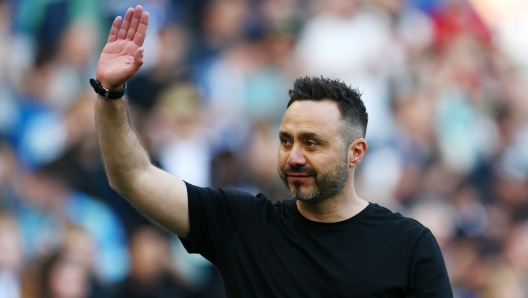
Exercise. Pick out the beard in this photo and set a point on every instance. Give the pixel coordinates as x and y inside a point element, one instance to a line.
<point>326,185</point>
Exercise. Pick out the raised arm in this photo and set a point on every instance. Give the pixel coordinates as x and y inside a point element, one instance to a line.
<point>157,194</point>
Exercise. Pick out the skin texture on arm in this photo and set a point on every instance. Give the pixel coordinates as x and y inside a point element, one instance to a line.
<point>157,194</point>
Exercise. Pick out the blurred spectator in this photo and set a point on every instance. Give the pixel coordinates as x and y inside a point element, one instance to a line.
<point>222,26</point>
<point>71,62</point>
<point>455,18</point>
<point>11,258</point>
<point>6,38</point>
<point>82,161</point>
<point>328,45</point>
<point>171,50</point>
<point>48,206</point>
<point>183,143</point>
<point>152,273</point>
<point>45,20</point>
<point>38,134</point>
<point>64,276</point>
<point>260,168</point>
<point>8,168</point>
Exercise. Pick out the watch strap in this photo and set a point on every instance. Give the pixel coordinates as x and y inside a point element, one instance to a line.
<point>101,90</point>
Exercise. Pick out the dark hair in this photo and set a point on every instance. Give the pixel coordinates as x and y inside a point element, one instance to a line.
<point>351,107</point>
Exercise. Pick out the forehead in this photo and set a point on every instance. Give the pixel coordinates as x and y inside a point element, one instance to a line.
<point>322,117</point>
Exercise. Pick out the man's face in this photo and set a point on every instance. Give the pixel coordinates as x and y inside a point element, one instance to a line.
<point>313,160</point>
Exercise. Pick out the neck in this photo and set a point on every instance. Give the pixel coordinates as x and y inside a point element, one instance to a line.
<point>341,207</point>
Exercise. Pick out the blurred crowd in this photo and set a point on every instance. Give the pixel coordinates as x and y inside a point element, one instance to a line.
<point>447,134</point>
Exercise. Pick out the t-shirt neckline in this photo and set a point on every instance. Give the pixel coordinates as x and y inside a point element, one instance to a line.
<point>327,225</point>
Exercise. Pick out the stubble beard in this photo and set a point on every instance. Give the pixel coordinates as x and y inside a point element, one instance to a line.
<point>325,186</point>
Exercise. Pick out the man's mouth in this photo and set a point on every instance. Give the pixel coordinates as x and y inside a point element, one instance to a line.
<point>297,175</point>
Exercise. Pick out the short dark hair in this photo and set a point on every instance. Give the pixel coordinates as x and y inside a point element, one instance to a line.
<point>349,102</point>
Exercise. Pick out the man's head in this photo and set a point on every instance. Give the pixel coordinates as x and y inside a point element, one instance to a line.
<point>322,138</point>
<point>353,112</point>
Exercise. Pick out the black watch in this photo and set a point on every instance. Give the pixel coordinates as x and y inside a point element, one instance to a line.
<point>99,89</point>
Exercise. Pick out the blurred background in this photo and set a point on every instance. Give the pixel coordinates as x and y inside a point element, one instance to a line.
<point>444,81</point>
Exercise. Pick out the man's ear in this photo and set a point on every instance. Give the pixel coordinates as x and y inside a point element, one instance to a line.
<point>357,150</point>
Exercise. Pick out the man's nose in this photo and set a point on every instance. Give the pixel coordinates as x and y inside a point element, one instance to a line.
<point>296,157</point>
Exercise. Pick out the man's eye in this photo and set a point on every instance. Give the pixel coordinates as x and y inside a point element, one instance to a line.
<point>311,144</point>
<point>285,142</point>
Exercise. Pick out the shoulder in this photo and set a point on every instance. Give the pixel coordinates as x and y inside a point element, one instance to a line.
<point>395,222</point>
<point>210,192</point>
<point>231,198</point>
<point>384,214</point>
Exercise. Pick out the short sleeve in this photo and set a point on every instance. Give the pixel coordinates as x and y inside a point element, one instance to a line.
<point>428,273</point>
<point>214,216</point>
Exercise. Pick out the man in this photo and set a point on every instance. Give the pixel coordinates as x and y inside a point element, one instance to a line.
<point>327,242</point>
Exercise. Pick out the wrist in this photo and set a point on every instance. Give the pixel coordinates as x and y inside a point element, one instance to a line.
<point>111,87</point>
<point>108,92</point>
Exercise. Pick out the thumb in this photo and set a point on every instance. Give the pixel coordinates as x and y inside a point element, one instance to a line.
<point>132,68</point>
<point>138,57</point>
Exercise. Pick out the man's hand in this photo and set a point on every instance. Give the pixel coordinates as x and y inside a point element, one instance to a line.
<point>122,55</point>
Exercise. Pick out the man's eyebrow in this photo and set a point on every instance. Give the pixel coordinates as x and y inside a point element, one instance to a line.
<point>309,135</point>
<point>302,135</point>
<point>283,134</point>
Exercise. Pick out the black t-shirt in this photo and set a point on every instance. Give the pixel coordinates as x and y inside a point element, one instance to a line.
<point>264,249</point>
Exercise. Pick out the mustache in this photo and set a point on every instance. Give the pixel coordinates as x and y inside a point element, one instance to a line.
<point>302,170</point>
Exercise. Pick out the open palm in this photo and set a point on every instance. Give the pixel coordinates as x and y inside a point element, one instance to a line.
<point>122,55</point>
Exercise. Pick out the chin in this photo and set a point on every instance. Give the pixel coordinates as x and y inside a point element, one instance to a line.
<point>312,200</point>
<point>300,190</point>
<point>309,197</point>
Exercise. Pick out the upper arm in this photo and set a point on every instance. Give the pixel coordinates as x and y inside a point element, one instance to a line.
<point>428,273</point>
<point>215,216</point>
<point>162,197</point>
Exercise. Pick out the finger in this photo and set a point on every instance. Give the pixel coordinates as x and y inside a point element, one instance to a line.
<point>141,32</point>
<point>135,22</point>
<point>115,28</point>
<point>126,23</point>
<point>138,61</point>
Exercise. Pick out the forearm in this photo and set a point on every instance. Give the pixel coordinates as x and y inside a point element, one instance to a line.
<point>125,159</point>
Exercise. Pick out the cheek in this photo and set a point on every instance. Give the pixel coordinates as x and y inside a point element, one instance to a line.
<point>282,159</point>
<point>324,163</point>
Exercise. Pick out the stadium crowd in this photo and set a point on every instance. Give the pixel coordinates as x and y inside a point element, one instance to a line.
<point>448,132</point>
